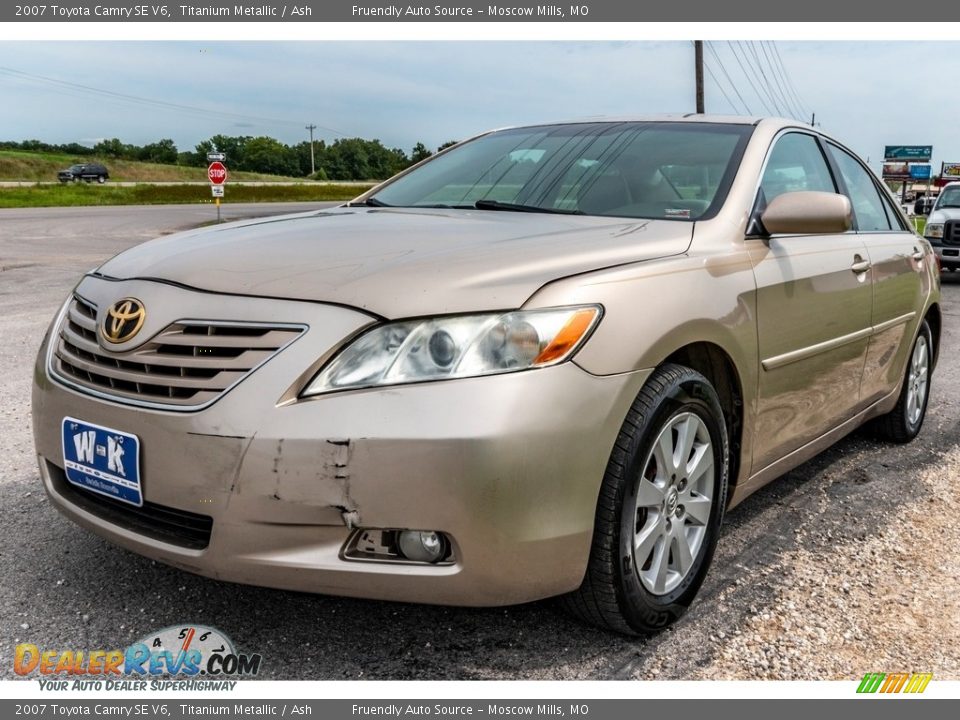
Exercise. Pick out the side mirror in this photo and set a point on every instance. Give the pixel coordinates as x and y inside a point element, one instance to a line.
<point>807,213</point>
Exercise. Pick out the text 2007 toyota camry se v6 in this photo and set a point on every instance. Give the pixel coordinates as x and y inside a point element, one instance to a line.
<point>544,362</point>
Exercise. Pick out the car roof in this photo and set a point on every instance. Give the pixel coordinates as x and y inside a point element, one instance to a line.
<point>771,124</point>
<point>675,117</point>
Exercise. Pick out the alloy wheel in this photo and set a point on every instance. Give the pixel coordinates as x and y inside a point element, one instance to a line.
<point>674,499</point>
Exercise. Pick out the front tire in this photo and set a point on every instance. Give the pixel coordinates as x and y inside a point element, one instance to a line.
<point>660,507</point>
<point>903,423</point>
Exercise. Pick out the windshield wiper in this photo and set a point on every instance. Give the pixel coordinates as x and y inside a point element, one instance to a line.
<point>369,202</point>
<point>516,207</point>
<point>442,206</point>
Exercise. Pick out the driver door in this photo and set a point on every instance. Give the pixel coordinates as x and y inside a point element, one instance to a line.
<point>813,313</point>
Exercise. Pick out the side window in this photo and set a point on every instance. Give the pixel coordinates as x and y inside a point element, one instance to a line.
<point>796,163</point>
<point>868,206</point>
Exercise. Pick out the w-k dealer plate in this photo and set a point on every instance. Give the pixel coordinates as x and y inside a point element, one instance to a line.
<point>102,460</point>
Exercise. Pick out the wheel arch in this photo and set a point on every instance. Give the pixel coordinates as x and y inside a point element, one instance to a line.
<point>935,321</point>
<point>716,364</point>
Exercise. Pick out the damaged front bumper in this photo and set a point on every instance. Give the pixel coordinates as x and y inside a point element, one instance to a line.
<point>508,467</point>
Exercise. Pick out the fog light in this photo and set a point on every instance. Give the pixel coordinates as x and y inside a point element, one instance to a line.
<point>422,546</point>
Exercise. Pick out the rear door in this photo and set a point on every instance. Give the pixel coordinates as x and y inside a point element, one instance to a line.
<point>898,281</point>
<point>813,312</point>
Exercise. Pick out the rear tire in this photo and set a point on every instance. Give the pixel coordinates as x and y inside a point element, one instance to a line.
<point>101,179</point>
<point>660,507</point>
<point>903,423</point>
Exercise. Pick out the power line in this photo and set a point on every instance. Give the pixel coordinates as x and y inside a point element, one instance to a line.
<point>793,89</point>
<point>784,77</point>
<point>723,69</point>
<point>743,69</point>
<point>149,102</point>
<point>788,81</point>
<point>706,67</point>
<point>766,81</point>
<point>780,83</point>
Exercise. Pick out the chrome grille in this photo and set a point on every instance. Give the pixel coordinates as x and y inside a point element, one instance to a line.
<point>187,364</point>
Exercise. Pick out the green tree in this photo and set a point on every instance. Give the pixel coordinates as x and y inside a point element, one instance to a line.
<point>448,143</point>
<point>346,159</point>
<point>419,153</point>
<point>234,147</point>
<point>75,149</point>
<point>266,155</point>
<point>197,158</point>
<point>163,151</point>
<point>359,159</point>
<point>302,151</point>
<point>112,148</point>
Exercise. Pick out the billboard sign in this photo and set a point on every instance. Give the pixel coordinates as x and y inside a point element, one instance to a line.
<point>896,171</point>
<point>950,170</point>
<point>920,171</point>
<point>917,153</point>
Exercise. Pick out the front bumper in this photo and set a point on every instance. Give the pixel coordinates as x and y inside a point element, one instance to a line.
<point>949,254</point>
<point>509,466</point>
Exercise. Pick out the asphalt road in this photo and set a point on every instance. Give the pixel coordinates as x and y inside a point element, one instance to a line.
<point>64,588</point>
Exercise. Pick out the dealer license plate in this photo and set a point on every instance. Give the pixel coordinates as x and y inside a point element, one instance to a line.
<point>102,460</point>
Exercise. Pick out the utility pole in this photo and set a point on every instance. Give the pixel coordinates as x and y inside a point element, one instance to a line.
<point>311,127</point>
<point>698,59</point>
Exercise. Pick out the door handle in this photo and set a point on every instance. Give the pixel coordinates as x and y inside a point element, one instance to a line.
<point>860,266</point>
<point>917,255</point>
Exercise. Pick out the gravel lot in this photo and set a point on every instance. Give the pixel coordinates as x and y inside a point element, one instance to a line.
<point>845,565</point>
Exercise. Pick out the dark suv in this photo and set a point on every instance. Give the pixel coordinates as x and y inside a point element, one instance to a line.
<point>87,171</point>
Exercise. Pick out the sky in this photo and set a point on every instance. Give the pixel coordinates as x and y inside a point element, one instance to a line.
<point>866,94</point>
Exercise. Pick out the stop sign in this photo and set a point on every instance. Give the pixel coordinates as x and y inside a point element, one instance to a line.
<point>217,172</point>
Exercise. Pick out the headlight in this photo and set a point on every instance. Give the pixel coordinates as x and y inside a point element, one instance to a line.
<point>934,230</point>
<point>457,347</point>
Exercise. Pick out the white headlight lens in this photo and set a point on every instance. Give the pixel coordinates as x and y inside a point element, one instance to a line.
<point>934,230</point>
<point>456,347</point>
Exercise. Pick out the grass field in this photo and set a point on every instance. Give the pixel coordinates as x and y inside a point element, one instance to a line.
<point>72,195</point>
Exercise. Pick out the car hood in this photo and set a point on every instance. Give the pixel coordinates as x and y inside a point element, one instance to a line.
<point>399,262</point>
<point>944,214</point>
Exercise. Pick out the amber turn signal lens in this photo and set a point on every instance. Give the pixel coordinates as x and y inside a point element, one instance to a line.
<point>568,337</point>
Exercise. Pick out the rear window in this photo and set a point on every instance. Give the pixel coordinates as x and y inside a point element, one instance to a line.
<point>673,171</point>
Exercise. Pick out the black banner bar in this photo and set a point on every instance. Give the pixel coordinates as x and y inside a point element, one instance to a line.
<point>186,709</point>
<point>734,11</point>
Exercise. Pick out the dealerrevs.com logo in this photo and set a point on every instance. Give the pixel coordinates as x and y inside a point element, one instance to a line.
<point>179,651</point>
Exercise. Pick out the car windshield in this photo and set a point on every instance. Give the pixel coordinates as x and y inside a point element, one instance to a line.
<point>949,198</point>
<point>666,170</point>
<point>76,168</point>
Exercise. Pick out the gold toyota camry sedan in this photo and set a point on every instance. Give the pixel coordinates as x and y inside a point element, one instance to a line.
<point>543,362</point>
